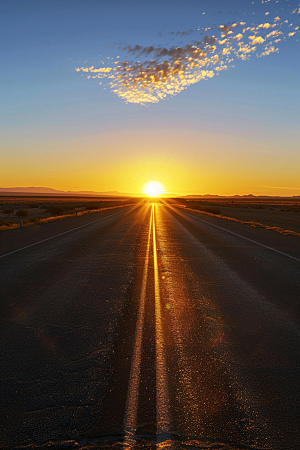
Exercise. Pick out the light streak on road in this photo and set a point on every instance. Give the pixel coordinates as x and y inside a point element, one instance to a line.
<point>130,420</point>
<point>163,435</point>
<point>162,397</point>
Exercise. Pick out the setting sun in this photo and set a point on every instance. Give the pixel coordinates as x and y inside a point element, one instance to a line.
<point>153,189</point>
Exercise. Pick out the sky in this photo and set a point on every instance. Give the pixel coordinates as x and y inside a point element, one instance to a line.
<point>107,95</point>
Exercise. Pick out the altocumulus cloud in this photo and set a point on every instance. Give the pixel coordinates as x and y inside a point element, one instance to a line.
<point>156,73</point>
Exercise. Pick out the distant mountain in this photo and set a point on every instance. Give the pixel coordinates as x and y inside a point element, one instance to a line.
<point>237,196</point>
<point>39,190</point>
<point>50,191</point>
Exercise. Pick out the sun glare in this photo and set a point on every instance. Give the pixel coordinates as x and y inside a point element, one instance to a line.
<point>153,189</point>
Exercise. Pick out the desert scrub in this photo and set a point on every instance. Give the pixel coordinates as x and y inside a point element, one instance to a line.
<point>22,213</point>
<point>204,208</point>
<point>210,209</point>
<point>32,220</point>
<point>92,206</point>
<point>4,224</point>
<point>56,210</point>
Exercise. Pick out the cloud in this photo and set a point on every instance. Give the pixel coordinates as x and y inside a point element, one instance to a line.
<point>244,51</point>
<point>226,51</point>
<point>151,81</point>
<point>181,33</point>
<point>189,50</point>
<point>256,39</point>
<point>265,25</point>
<point>269,50</point>
<point>227,29</point>
<point>151,73</point>
<point>92,69</point>
<point>274,33</point>
<point>238,37</point>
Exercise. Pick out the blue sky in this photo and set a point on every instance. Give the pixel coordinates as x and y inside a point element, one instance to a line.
<point>240,126</point>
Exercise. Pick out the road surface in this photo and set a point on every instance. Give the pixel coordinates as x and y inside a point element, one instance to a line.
<point>149,327</point>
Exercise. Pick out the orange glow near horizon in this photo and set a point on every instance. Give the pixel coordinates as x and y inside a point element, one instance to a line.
<point>153,189</point>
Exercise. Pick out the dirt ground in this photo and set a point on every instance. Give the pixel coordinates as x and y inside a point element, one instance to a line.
<point>274,216</point>
<point>282,213</point>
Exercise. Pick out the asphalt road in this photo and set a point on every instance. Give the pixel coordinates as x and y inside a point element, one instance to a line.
<point>149,327</point>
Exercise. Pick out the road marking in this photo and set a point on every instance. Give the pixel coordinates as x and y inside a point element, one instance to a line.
<point>130,418</point>
<point>60,234</point>
<point>162,397</point>
<point>243,237</point>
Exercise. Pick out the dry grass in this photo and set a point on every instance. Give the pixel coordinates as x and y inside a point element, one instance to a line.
<point>36,201</point>
<point>246,222</point>
<point>49,213</point>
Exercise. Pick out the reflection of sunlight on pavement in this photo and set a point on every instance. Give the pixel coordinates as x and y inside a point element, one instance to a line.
<point>163,420</point>
<point>201,389</point>
<point>162,393</point>
<point>130,419</point>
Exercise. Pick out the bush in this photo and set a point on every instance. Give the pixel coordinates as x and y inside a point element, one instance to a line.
<point>92,207</point>
<point>4,223</point>
<point>210,209</point>
<point>8,211</point>
<point>33,220</point>
<point>204,208</point>
<point>22,213</point>
<point>56,210</point>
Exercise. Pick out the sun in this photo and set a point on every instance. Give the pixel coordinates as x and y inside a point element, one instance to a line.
<point>153,189</point>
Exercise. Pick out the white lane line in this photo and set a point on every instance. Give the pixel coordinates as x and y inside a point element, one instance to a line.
<point>130,418</point>
<point>162,395</point>
<point>60,234</point>
<point>243,237</point>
